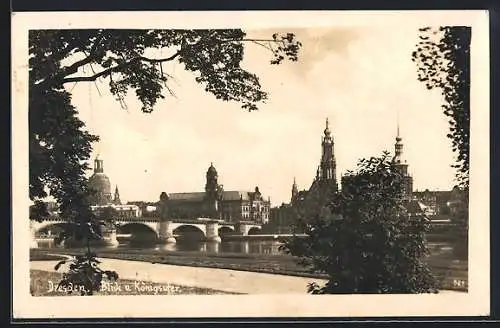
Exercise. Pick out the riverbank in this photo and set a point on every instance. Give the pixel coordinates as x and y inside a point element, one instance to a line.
<point>220,280</point>
<point>452,275</point>
<point>272,264</point>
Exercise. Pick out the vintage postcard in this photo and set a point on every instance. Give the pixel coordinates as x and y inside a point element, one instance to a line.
<point>250,164</point>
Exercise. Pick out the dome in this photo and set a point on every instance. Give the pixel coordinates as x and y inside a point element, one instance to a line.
<point>100,183</point>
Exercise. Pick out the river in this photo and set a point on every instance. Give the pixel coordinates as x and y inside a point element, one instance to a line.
<point>254,246</point>
<point>270,247</point>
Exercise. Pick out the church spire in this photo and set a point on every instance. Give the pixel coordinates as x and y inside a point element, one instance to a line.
<point>401,164</point>
<point>117,200</point>
<point>398,146</point>
<point>295,190</point>
<point>327,169</point>
<point>397,128</point>
<point>327,129</point>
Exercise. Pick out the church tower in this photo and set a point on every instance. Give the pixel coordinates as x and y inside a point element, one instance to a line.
<point>402,166</point>
<point>295,190</point>
<point>116,199</point>
<point>211,185</point>
<point>327,171</point>
<point>212,191</point>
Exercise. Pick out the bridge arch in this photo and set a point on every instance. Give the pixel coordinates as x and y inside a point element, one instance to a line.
<point>189,232</point>
<point>49,228</point>
<point>226,230</point>
<point>139,232</point>
<point>254,231</point>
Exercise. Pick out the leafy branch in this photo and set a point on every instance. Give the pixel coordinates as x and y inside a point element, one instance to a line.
<point>84,274</point>
<point>443,60</point>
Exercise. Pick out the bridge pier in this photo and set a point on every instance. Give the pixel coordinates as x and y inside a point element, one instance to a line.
<point>166,234</point>
<point>110,238</point>
<point>212,233</point>
<point>244,228</point>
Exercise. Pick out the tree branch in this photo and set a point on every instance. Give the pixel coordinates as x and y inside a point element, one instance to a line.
<point>74,67</point>
<point>118,67</point>
<point>263,45</point>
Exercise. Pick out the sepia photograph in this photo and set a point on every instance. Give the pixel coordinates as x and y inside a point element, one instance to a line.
<point>253,162</point>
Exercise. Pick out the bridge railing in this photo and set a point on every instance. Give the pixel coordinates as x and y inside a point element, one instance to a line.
<point>158,219</point>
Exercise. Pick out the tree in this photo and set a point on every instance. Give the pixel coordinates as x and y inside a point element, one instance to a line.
<point>60,147</point>
<point>367,242</point>
<point>443,60</point>
<point>214,56</point>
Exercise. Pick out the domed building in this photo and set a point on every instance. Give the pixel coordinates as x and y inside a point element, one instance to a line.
<point>216,203</point>
<point>100,183</point>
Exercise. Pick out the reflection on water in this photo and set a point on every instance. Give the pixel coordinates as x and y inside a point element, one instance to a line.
<point>245,247</point>
<point>270,247</point>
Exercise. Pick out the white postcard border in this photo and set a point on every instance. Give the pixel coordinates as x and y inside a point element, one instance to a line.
<point>475,302</point>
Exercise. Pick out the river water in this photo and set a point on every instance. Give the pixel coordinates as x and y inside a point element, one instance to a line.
<point>254,246</point>
<point>270,247</point>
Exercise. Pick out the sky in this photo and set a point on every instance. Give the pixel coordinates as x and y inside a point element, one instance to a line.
<point>362,79</point>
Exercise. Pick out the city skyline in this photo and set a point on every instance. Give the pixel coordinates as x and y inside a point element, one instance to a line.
<point>171,149</point>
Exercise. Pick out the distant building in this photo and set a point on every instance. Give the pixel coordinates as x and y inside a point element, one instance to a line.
<point>148,209</point>
<point>310,202</point>
<point>102,198</point>
<point>281,219</point>
<point>401,166</point>
<point>324,184</point>
<point>123,211</point>
<point>215,202</point>
<point>440,202</point>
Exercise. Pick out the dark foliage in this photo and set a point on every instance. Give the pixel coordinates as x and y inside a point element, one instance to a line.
<point>84,276</point>
<point>443,59</point>
<point>59,147</point>
<point>367,242</point>
<point>119,56</point>
<point>444,63</point>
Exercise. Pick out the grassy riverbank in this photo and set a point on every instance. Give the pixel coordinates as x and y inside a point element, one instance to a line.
<point>43,283</point>
<point>274,264</point>
<point>451,274</point>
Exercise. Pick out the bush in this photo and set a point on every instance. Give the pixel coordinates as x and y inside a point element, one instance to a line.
<point>367,241</point>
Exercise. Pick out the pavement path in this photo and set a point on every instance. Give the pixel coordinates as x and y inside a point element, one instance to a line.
<point>243,282</point>
<point>219,279</point>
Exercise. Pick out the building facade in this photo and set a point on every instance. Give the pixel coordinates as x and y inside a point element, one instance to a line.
<point>216,203</point>
<point>441,202</point>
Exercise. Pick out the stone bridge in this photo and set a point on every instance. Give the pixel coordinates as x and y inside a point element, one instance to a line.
<point>164,231</point>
